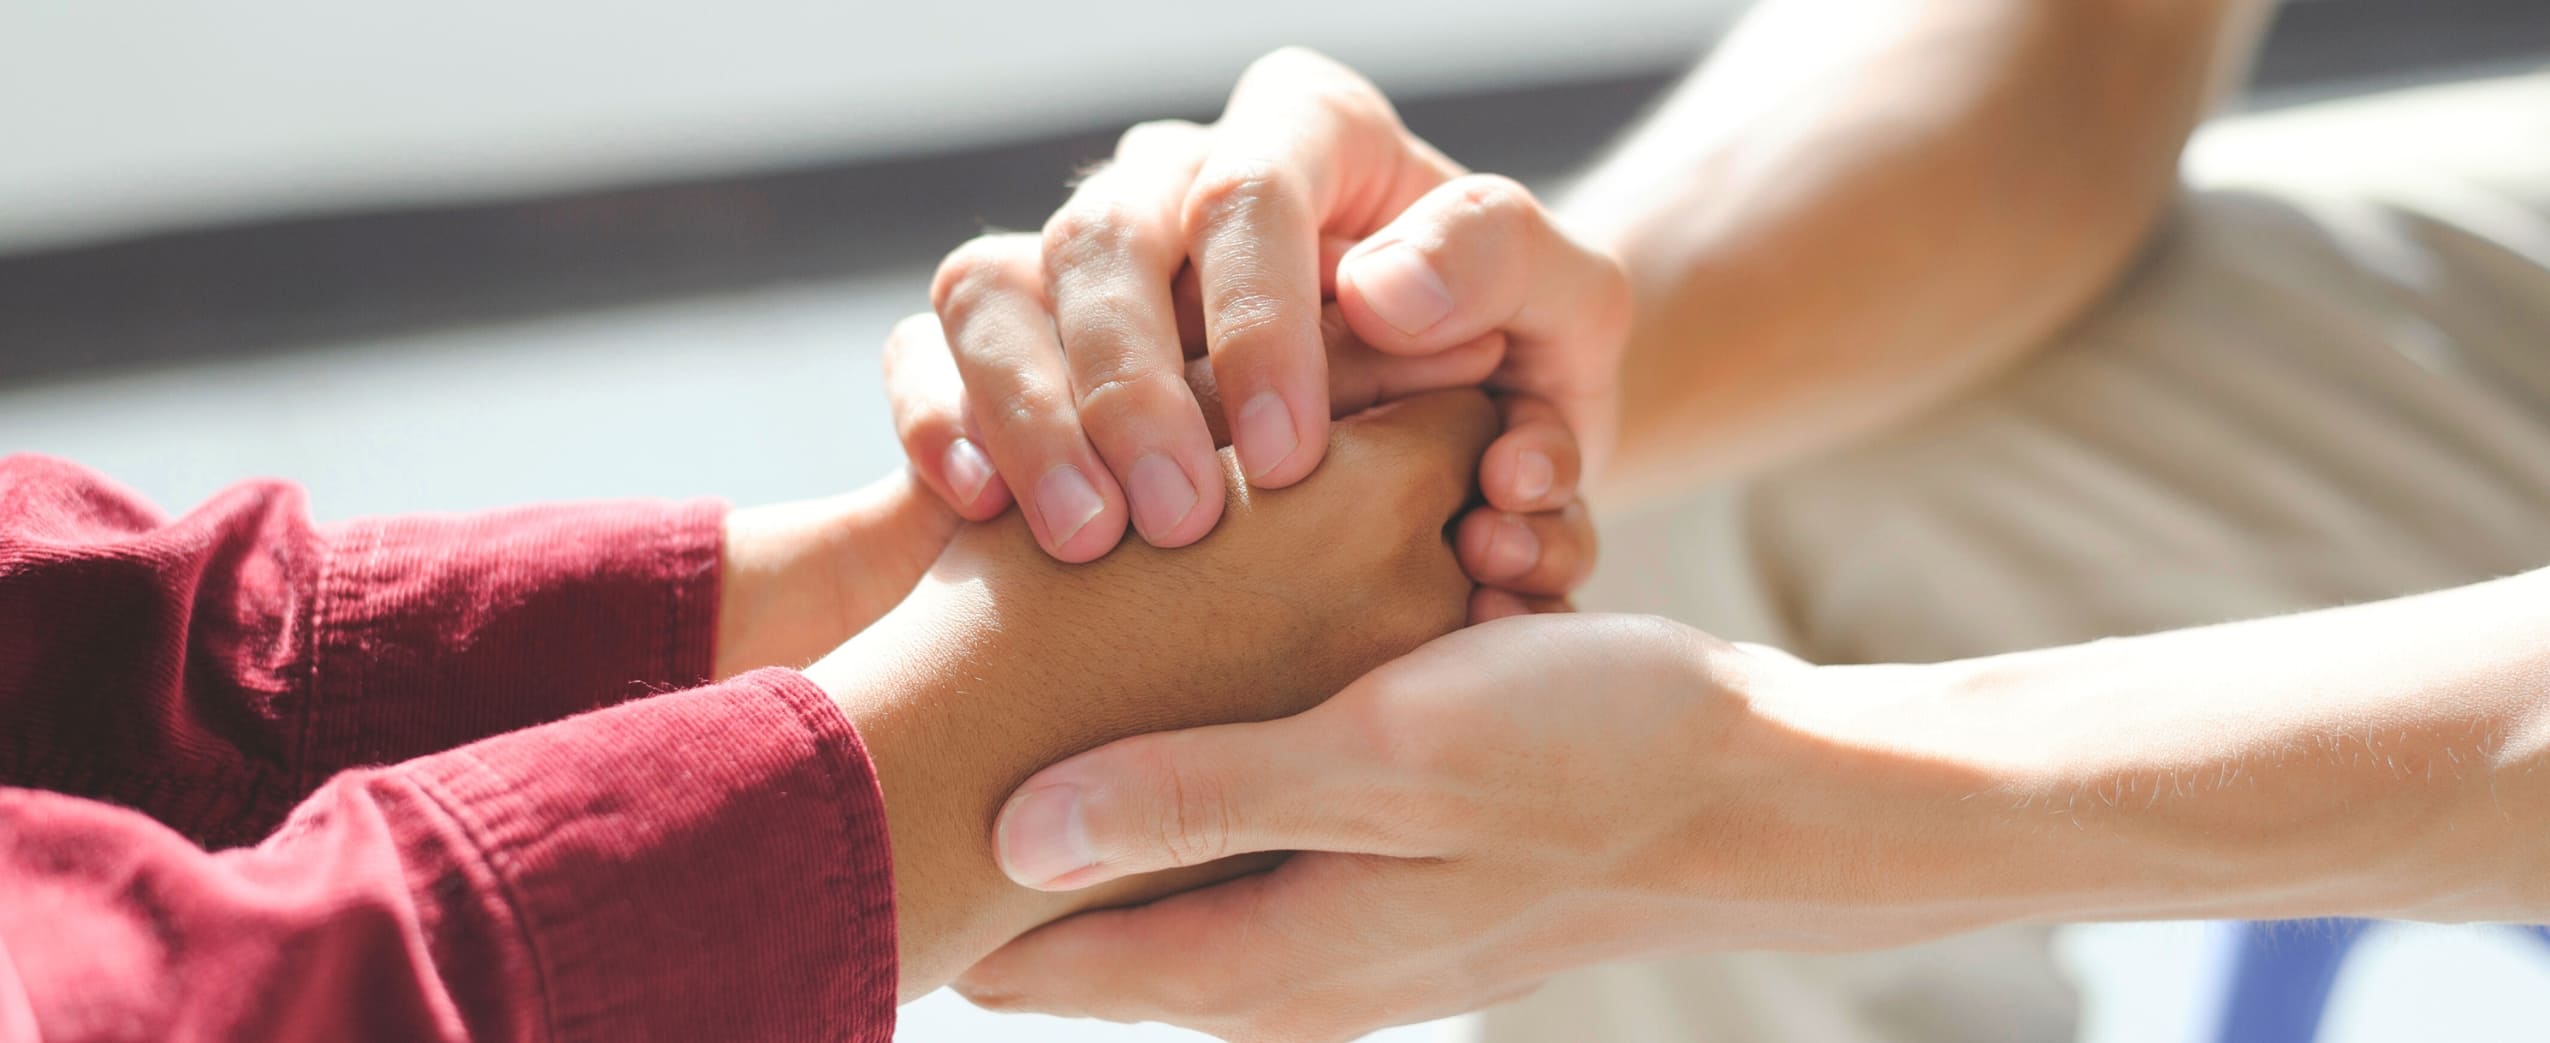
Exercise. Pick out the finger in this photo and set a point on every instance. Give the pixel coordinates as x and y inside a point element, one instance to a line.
<point>1360,377</point>
<point>1171,799</point>
<point>1187,296</point>
<point>1233,959</point>
<point>927,401</point>
<point>1546,554</point>
<point>990,296</point>
<point>1110,254</point>
<point>1534,465</point>
<point>1488,603</point>
<point>1479,253</point>
<point>1303,146</point>
<point>1421,452</point>
<point>1152,962</point>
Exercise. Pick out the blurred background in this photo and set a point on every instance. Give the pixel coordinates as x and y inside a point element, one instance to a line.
<point>442,257</point>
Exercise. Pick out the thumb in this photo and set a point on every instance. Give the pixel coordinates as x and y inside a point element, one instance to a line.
<point>1171,799</point>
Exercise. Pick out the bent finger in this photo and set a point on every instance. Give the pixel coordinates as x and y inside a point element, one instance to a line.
<point>1479,253</point>
<point>990,297</point>
<point>1110,254</point>
<point>1305,147</point>
<point>1546,554</point>
<point>927,402</point>
<point>1535,465</point>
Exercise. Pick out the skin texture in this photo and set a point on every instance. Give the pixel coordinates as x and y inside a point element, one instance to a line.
<point>1467,835</point>
<point>799,578</point>
<point>1844,218</point>
<point>1003,660</point>
<point>1227,243</point>
<point>1525,559</point>
<point>1858,208</point>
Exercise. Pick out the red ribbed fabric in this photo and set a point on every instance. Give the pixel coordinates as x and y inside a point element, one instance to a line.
<point>544,856</point>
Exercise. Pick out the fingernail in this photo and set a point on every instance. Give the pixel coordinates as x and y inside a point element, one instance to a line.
<point>1067,501</point>
<point>1512,550</point>
<point>967,470</point>
<point>1265,436</point>
<point>1402,288</point>
<point>1534,474</point>
<point>1162,497</point>
<point>1042,837</point>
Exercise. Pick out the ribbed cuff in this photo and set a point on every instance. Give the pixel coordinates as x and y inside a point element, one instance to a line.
<point>711,864</point>
<point>431,631</point>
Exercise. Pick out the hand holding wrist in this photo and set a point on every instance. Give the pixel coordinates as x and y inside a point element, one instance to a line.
<point>1003,660</point>
<point>1523,797</point>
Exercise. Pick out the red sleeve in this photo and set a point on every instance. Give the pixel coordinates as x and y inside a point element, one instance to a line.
<point>210,670</point>
<point>709,864</point>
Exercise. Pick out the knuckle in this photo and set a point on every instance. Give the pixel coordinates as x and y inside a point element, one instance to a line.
<point>1191,822</point>
<point>979,267</point>
<point>1498,202</point>
<point>1089,232</point>
<point>1102,333</point>
<point>1015,407</point>
<point>1241,316</point>
<point>1235,190</point>
<point>1119,394</point>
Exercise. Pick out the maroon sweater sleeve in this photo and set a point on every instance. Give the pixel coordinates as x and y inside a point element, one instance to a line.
<point>210,670</point>
<point>709,864</point>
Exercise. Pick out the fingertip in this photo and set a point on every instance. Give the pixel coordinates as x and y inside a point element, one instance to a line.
<point>1278,442</point>
<point>990,503</point>
<point>1041,839</point>
<point>1208,500</point>
<point>1496,546</point>
<point>965,469</point>
<point>1535,465</point>
<point>1393,297</point>
<point>1078,516</point>
<point>1522,472</point>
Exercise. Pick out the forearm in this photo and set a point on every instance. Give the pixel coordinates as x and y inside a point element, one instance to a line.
<point>2379,760</point>
<point>1855,208</point>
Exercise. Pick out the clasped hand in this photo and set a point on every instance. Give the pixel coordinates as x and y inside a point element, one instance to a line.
<point>1465,820</point>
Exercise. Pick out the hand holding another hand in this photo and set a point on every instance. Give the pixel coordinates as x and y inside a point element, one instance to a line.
<point>1227,243</point>
<point>1512,800</point>
<point>1003,660</point>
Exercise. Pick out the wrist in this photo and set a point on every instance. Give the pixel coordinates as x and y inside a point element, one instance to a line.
<point>948,703</point>
<point>1902,774</point>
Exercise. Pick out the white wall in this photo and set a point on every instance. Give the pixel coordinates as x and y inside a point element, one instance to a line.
<point>118,116</point>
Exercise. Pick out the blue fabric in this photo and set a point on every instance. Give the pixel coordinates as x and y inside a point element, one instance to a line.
<point>2282,973</point>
